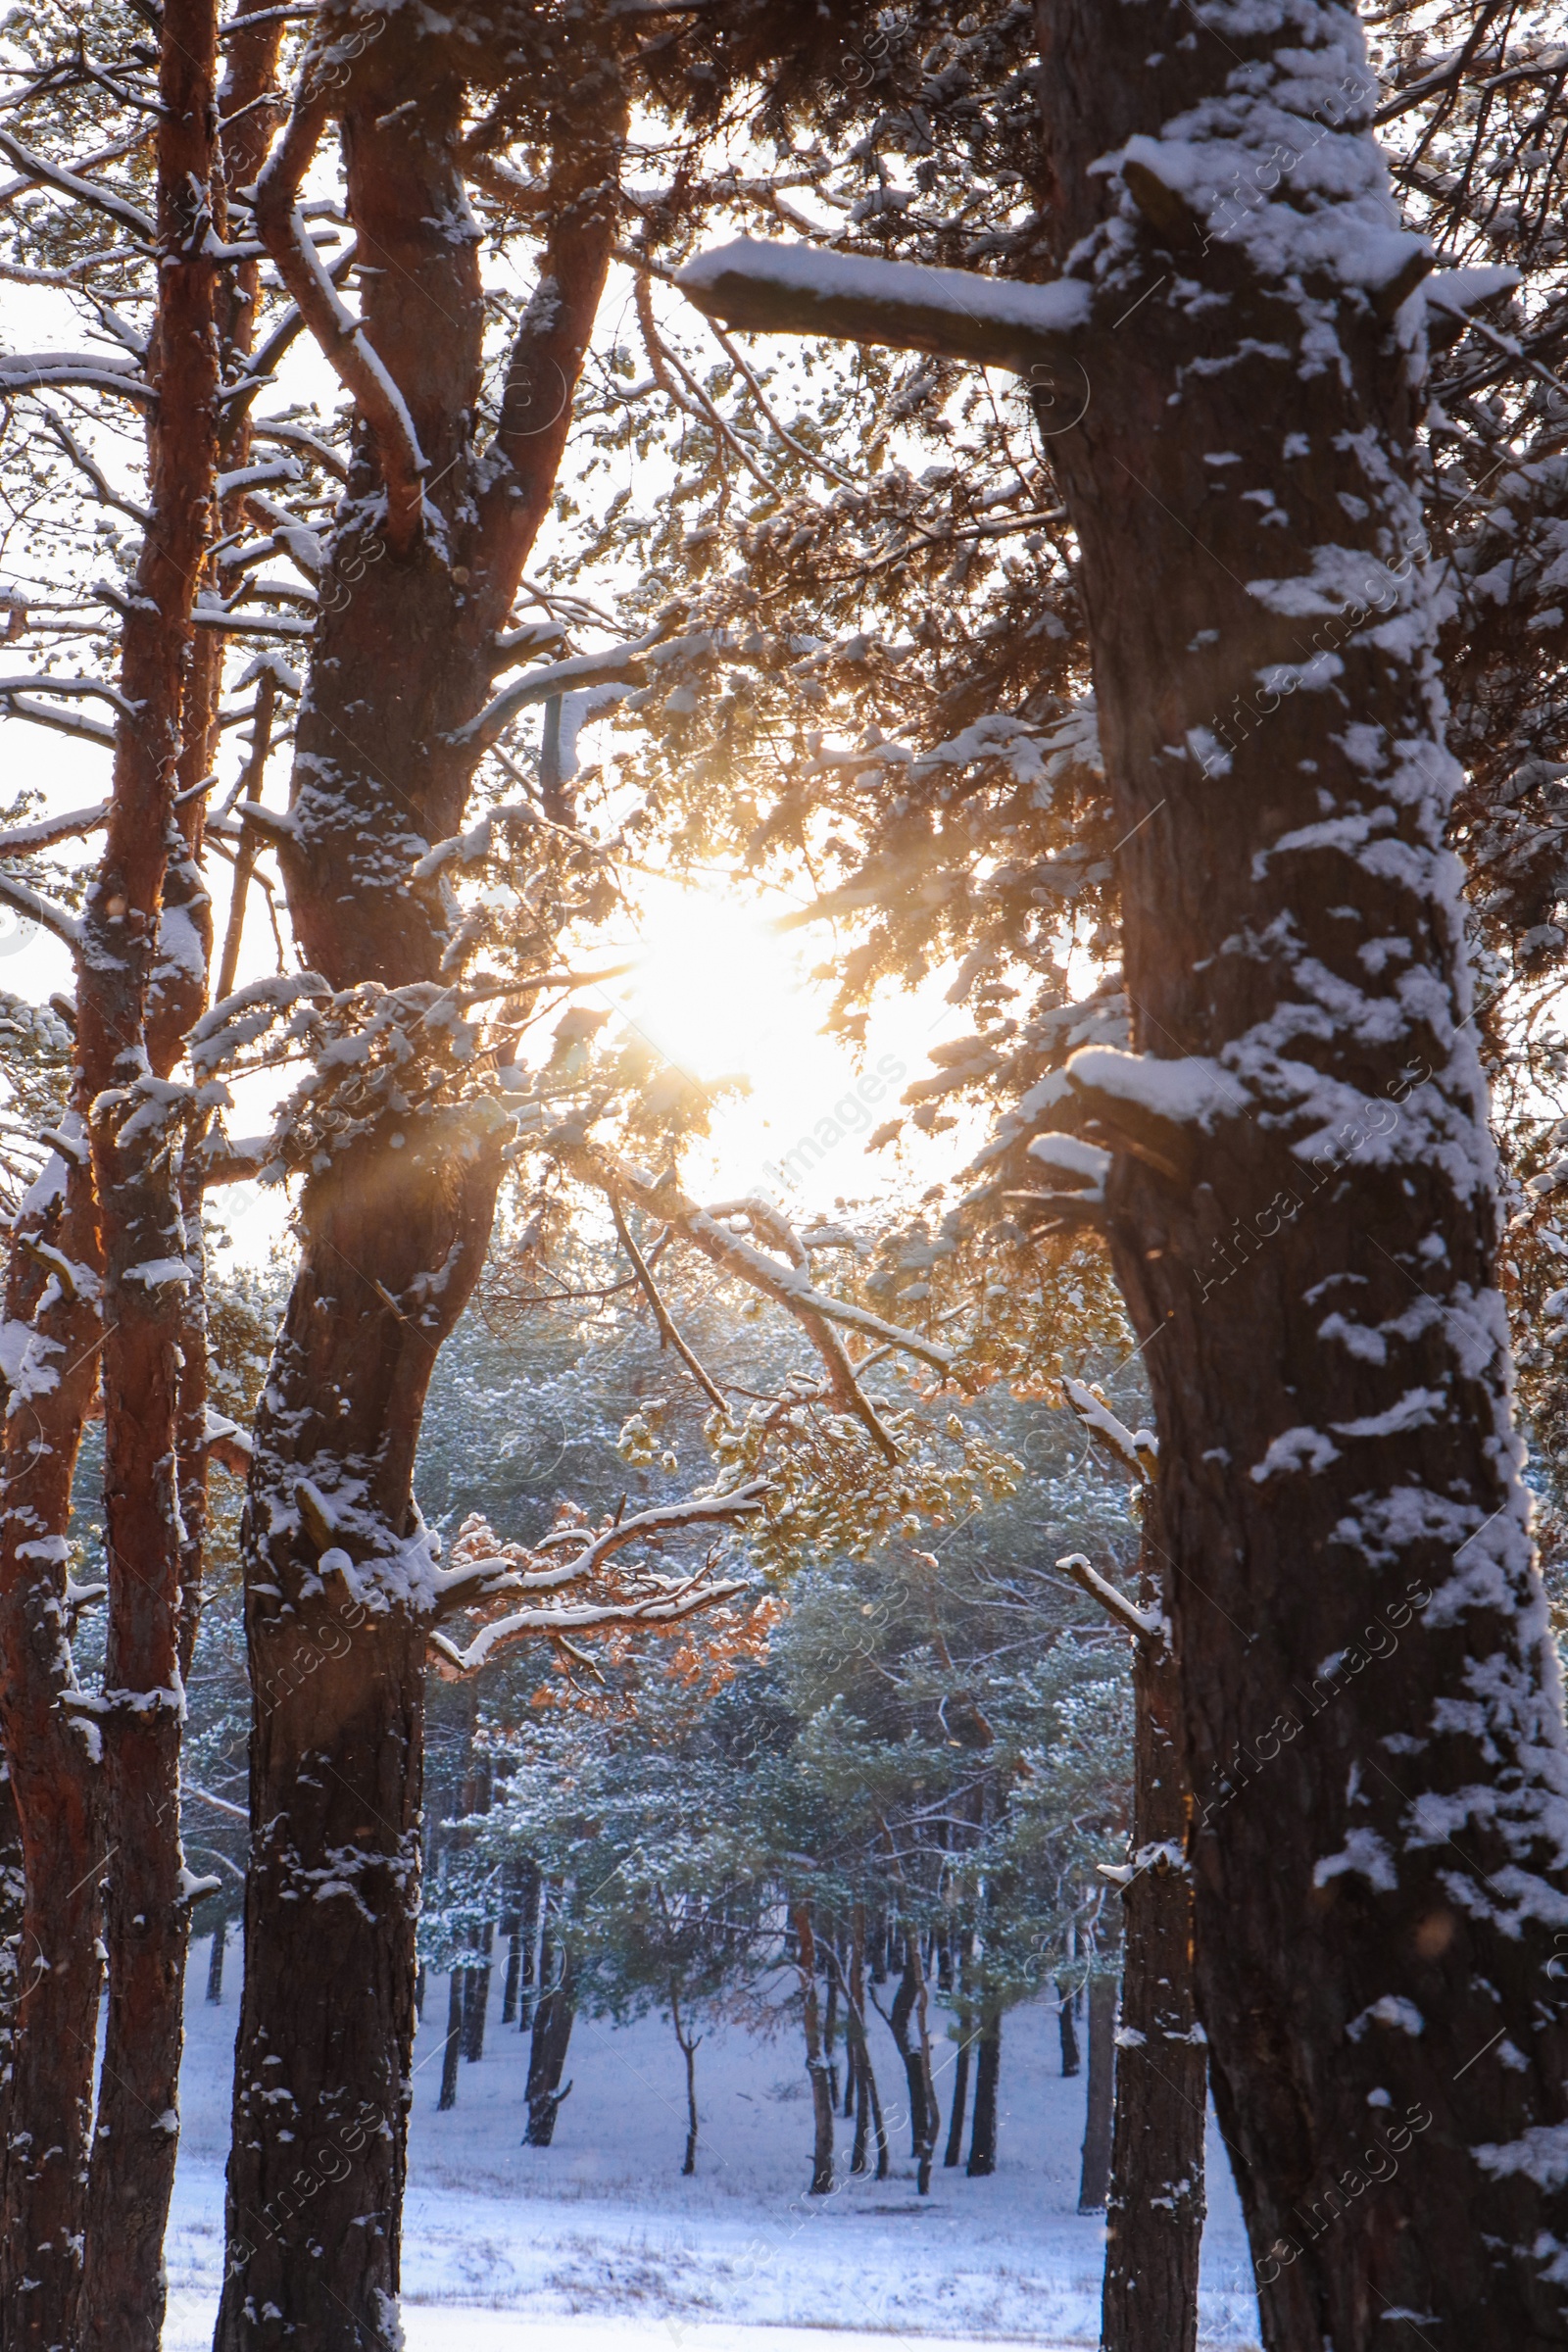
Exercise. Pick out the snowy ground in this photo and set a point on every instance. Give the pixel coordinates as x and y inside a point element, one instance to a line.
<point>600,2242</point>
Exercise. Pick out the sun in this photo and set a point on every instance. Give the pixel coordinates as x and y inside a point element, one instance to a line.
<point>719,991</point>
<point>716,991</point>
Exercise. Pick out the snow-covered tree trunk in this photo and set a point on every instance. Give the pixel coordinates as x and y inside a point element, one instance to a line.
<point>816,2064</point>
<point>393,1233</point>
<point>1155,2216</point>
<point>554,2014</point>
<point>135,944</point>
<point>52,1326</point>
<point>1302,1196</point>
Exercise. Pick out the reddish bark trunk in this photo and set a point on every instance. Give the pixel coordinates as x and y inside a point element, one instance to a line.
<point>51,1746</point>
<point>400,665</point>
<point>147,1914</point>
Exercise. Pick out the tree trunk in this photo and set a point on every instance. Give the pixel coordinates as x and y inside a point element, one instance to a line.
<point>52,1746</point>
<point>214,1963</point>
<point>532,1906</point>
<point>13,1909</point>
<point>1066,2002</point>
<point>452,2050</point>
<point>1095,2179</point>
<point>513,1977</point>
<point>960,2099</point>
<point>135,1135</point>
<point>545,1962</point>
<point>1154,2223</point>
<point>511,1929</point>
<point>546,2054</point>
<point>476,2002</point>
<point>830,2030</point>
<point>689,2044</point>
<point>983,2137</point>
<point>815,2063</point>
<point>1303,1202</point>
<point>393,1231</point>
<point>961,1948</point>
<point>925,2116</point>
<point>868,2104</point>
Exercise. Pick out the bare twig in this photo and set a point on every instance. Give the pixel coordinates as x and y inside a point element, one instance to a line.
<point>662,1314</point>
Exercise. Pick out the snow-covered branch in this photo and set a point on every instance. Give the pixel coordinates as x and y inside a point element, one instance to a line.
<point>24,841</point>
<point>40,910</point>
<point>778,288</point>
<point>788,1286</point>
<point>640,1599</point>
<point>559,1623</point>
<point>516,1569</point>
<point>90,192</point>
<point>83,370</point>
<point>1144,1625</point>
<point>1133,1449</point>
<point>617,665</point>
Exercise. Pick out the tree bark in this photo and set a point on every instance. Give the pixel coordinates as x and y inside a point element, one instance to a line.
<point>214,1963</point>
<point>689,2044</point>
<point>1306,1233</point>
<point>475,2002</point>
<point>1095,2178</point>
<point>453,2049</point>
<point>1154,2223</point>
<point>1066,2002</point>
<point>511,1929</point>
<point>322,2084</point>
<point>960,2100</point>
<point>146,1317</point>
<point>13,1908</point>
<point>817,2067</point>
<point>925,2115</point>
<point>831,2027</point>
<point>868,2104</point>
<point>52,1747</point>
<point>393,1233</point>
<point>546,2054</point>
<point>987,2077</point>
<point>527,1975</point>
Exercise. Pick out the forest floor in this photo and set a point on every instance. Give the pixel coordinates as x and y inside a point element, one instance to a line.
<point>600,2235</point>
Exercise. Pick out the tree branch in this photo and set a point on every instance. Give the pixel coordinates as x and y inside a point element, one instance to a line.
<point>42,911</point>
<point>86,371</point>
<point>26,840</point>
<point>1133,1450</point>
<point>487,1578</point>
<point>86,191</point>
<point>662,1313</point>
<point>774,288</point>
<point>558,1623</point>
<point>248,844</point>
<point>342,339</point>
<point>1144,1625</point>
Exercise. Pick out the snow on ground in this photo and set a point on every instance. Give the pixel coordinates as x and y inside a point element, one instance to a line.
<point>601,2237</point>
